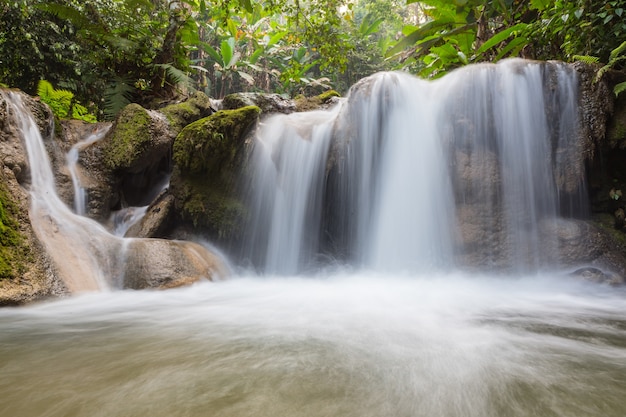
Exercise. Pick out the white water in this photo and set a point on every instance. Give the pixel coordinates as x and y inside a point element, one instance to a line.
<point>402,332</point>
<point>396,177</point>
<point>348,345</point>
<point>80,197</point>
<point>88,251</point>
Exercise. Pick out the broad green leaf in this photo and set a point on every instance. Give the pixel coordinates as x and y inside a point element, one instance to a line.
<point>227,50</point>
<point>418,35</point>
<point>212,53</point>
<point>275,38</point>
<point>247,5</point>
<point>256,55</point>
<point>500,36</point>
<point>513,48</point>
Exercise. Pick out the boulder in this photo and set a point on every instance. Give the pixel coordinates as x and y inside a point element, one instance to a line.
<point>158,263</point>
<point>181,114</point>
<point>209,157</point>
<point>158,219</point>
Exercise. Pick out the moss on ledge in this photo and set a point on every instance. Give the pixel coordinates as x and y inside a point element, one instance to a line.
<point>130,136</point>
<point>316,102</point>
<point>206,145</point>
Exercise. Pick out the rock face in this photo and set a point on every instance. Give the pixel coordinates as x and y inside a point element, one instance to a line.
<point>268,103</point>
<point>157,263</point>
<point>208,158</point>
<point>26,273</point>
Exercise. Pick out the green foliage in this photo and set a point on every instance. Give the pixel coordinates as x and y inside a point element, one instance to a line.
<point>62,103</point>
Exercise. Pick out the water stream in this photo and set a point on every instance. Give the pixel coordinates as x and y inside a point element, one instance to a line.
<point>363,306</point>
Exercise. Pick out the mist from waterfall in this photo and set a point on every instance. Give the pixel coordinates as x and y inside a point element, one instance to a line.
<point>410,175</point>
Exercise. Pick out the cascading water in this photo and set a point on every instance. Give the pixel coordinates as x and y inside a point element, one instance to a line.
<point>80,198</point>
<point>89,252</point>
<point>395,178</point>
<point>405,182</point>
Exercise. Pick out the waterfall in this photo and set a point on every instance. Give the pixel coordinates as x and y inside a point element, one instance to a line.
<point>410,175</point>
<point>80,198</point>
<point>90,254</point>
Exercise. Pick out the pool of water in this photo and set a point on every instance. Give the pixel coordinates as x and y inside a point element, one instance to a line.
<point>343,344</point>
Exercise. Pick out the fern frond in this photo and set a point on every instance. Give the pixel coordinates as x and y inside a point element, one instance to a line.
<point>45,90</point>
<point>617,52</point>
<point>619,88</point>
<point>587,59</point>
<point>60,101</point>
<point>117,96</point>
<point>176,76</point>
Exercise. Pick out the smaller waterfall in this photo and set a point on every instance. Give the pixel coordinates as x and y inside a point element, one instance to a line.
<point>80,198</point>
<point>89,252</point>
<point>289,161</point>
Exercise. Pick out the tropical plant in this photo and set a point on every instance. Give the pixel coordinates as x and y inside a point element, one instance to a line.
<point>62,103</point>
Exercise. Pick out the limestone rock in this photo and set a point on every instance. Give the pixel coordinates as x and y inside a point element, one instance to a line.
<point>157,220</point>
<point>26,273</point>
<point>157,263</point>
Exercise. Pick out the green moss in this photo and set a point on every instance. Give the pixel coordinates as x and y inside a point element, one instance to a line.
<point>12,249</point>
<point>181,114</point>
<point>209,204</point>
<point>327,95</point>
<point>130,137</point>
<point>207,145</point>
<point>206,157</point>
<point>314,103</point>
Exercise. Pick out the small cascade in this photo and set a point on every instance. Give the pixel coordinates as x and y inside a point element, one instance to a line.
<point>124,219</point>
<point>80,197</point>
<point>289,161</point>
<point>407,175</point>
<point>89,252</point>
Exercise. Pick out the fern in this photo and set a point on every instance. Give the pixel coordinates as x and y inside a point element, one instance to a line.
<point>176,76</point>
<point>587,59</point>
<point>117,96</point>
<point>619,88</point>
<point>62,103</point>
<point>615,57</point>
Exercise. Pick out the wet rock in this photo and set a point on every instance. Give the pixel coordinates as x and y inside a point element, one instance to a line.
<point>598,276</point>
<point>157,263</point>
<point>26,272</point>
<point>319,102</point>
<point>157,220</point>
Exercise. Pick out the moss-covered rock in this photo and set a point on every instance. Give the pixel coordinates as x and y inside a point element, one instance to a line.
<point>13,252</point>
<point>207,145</point>
<point>208,158</point>
<point>129,138</point>
<point>321,101</point>
<point>181,114</point>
